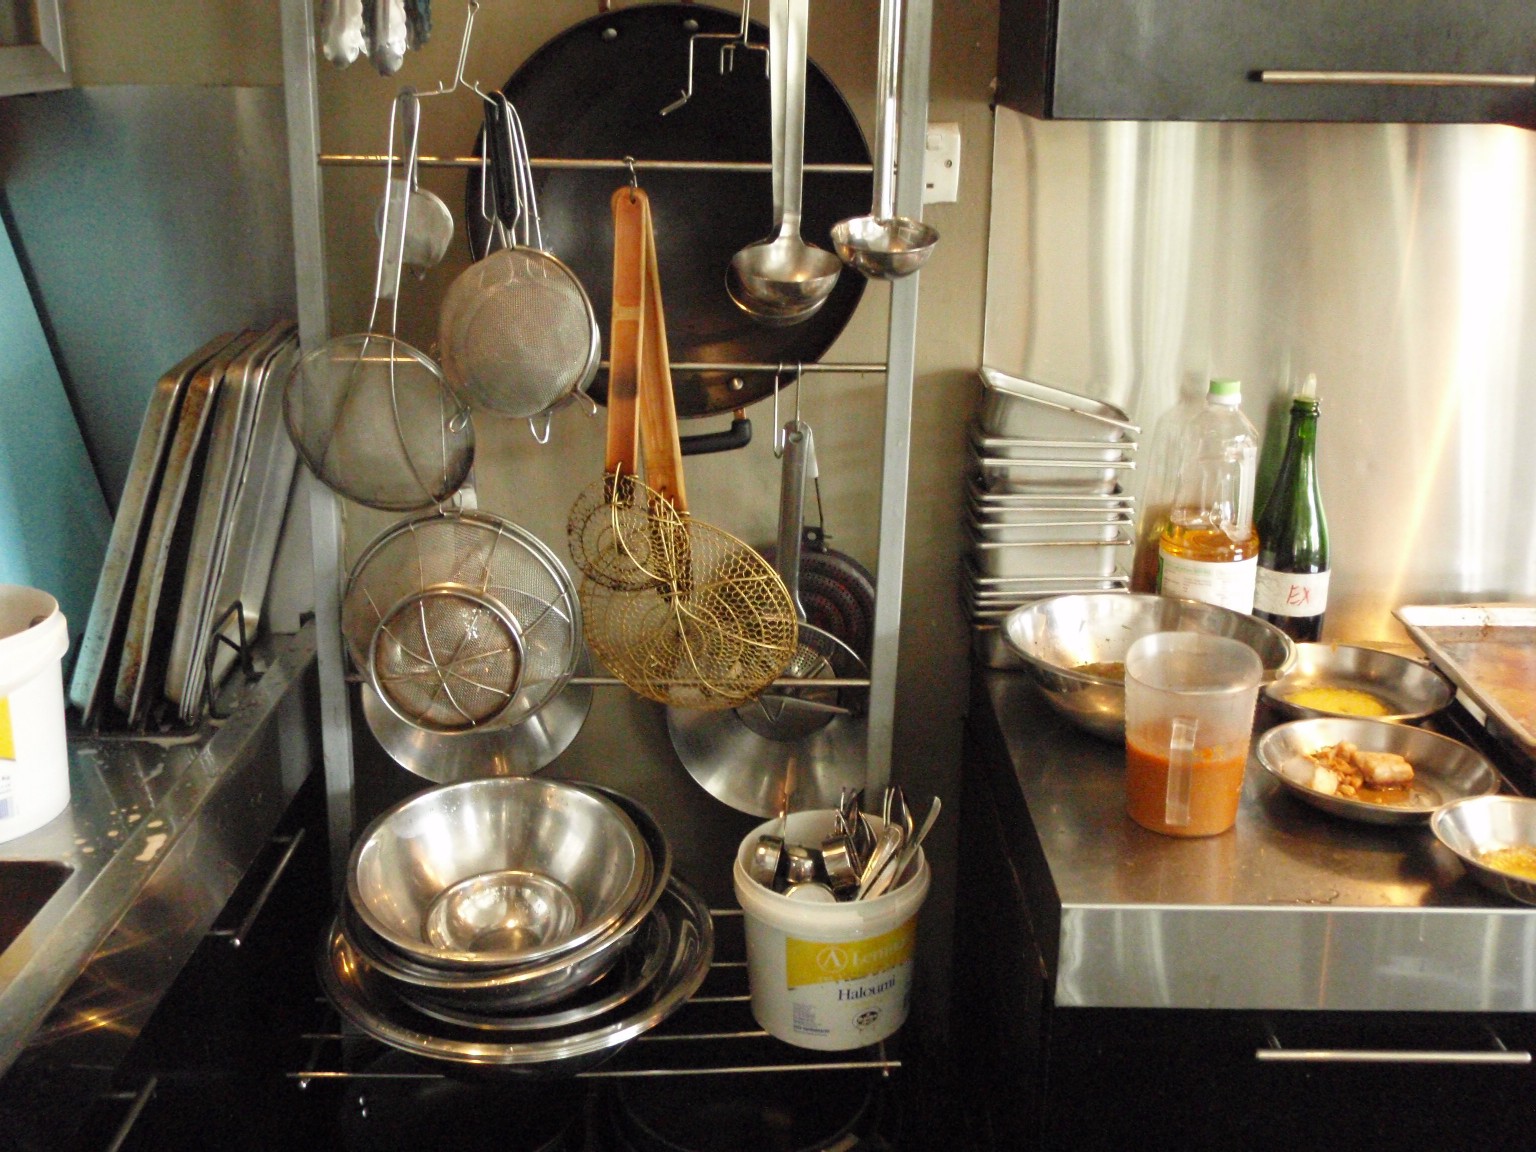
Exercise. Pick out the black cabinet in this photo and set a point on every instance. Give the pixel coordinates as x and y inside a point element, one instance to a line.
<point>1042,1077</point>
<point>1351,60</point>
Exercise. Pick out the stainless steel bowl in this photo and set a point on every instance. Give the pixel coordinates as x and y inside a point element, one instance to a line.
<point>525,988</point>
<point>1444,770</point>
<point>1411,691</point>
<point>1056,637</point>
<point>1471,827</point>
<point>420,849</point>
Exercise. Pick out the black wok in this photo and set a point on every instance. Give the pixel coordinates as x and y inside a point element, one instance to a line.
<point>596,92</point>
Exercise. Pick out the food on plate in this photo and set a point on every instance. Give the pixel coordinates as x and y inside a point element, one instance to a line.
<point>1348,701</point>
<point>1518,861</point>
<point>1343,769</point>
<point>1108,669</point>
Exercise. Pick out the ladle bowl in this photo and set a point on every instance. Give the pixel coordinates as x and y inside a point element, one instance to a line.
<point>782,281</point>
<point>884,248</point>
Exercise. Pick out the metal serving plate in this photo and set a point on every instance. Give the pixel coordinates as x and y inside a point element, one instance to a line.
<point>1489,652</point>
<point>1409,690</point>
<point>1444,770</point>
<point>369,1001</point>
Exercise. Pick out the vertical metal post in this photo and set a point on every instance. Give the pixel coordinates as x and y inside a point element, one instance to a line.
<point>303,113</point>
<point>901,345</point>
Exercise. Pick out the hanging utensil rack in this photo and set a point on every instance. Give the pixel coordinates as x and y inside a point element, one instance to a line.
<point>305,161</point>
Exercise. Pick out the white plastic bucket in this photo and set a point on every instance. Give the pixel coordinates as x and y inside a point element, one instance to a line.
<point>828,976</point>
<point>34,756</point>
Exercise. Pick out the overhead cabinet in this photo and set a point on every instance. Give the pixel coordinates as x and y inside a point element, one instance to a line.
<point>1470,61</point>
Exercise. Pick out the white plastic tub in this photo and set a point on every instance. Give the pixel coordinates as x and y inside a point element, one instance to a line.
<point>828,976</point>
<point>34,756</point>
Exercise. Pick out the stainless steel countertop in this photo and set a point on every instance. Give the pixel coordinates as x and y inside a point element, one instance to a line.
<point>1291,909</point>
<point>139,811</point>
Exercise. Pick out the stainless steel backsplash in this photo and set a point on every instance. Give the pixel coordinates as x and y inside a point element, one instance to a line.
<point>1133,261</point>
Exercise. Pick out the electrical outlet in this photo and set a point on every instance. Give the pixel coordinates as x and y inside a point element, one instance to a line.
<point>941,164</point>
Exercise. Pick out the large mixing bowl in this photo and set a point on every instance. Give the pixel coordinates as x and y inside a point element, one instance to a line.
<point>502,872</point>
<point>1474,827</point>
<point>1072,646</point>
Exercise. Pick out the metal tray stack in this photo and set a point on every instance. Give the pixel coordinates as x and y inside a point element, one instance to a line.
<point>1047,512</point>
<point>195,536</point>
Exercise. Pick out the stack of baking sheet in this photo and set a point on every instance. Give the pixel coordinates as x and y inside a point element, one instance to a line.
<point>194,537</point>
<point>1046,511</point>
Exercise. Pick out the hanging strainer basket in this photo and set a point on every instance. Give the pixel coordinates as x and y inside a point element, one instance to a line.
<point>441,595</point>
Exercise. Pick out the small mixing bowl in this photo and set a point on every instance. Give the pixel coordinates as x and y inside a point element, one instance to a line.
<point>1061,638</point>
<point>1409,690</point>
<point>410,868</point>
<point>1472,827</point>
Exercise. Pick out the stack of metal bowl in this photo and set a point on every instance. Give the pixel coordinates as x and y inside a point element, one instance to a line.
<point>513,921</point>
<point>1047,513</point>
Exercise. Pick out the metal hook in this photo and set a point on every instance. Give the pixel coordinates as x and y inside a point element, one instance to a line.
<point>634,180</point>
<point>799,386</point>
<point>733,40</point>
<point>549,418</point>
<point>458,71</point>
<point>778,432</point>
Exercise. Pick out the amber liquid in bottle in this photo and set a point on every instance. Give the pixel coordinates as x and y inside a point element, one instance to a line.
<point>1201,542</point>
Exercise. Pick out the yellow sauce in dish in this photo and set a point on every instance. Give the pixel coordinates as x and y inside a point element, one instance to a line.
<point>1518,861</point>
<point>1347,701</point>
<point>1108,669</point>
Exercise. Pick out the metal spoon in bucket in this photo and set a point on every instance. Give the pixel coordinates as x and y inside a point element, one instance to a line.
<point>883,245</point>
<point>783,280</point>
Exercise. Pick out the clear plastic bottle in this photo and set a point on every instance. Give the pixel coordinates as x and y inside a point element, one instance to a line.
<point>1209,549</point>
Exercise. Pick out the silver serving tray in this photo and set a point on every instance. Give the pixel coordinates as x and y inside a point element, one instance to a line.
<point>1465,640</point>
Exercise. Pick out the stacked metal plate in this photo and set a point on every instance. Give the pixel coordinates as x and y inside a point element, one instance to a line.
<point>1047,511</point>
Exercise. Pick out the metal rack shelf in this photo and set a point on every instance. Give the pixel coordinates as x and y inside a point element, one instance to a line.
<point>718,1013</point>
<point>306,159</point>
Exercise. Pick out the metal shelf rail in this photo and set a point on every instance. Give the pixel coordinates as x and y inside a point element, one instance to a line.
<point>305,157</point>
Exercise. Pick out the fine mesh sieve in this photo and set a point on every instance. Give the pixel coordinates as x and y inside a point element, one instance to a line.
<point>448,560</point>
<point>517,331</point>
<point>372,416</point>
<point>447,660</point>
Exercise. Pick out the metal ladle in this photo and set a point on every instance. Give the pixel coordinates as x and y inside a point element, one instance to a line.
<point>783,280</point>
<point>883,245</point>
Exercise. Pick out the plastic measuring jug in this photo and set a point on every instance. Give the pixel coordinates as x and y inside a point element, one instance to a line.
<point>1189,702</point>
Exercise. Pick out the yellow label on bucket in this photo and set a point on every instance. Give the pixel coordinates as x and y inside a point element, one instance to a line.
<point>7,737</point>
<point>811,962</point>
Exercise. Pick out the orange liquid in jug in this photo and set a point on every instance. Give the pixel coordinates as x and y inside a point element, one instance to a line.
<point>1216,780</point>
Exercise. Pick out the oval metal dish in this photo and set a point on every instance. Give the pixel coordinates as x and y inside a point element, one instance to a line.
<point>1410,690</point>
<point>1444,769</point>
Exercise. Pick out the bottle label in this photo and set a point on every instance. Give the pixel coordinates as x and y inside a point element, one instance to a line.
<point>1291,593</point>
<point>1226,583</point>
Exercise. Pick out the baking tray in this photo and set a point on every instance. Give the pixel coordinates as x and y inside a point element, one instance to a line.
<point>141,669</point>
<point>1489,652</point>
<point>213,539</point>
<point>102,640</point>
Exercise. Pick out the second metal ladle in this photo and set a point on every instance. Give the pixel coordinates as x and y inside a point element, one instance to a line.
<point>883,245</point>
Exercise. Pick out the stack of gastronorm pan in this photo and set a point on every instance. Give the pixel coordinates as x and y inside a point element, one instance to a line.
<point>1047,510</point>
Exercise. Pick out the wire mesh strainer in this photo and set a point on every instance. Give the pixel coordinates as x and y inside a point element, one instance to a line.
<point>517,331</point>
<point>458,559</point>
<point>447,660</point>
<point>372,416</point>
<point>704,621</point>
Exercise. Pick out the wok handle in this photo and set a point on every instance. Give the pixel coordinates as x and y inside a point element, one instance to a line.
<point>621,455</point>
<point>658,409</point>
<point>738,435</point>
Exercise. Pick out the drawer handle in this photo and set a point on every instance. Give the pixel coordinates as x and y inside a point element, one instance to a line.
<point>1398,79</point>
<point>239,934</point>
<point>1276,1054</point>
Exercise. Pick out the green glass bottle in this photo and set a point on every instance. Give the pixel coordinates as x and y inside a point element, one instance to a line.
<point>1291,591</point>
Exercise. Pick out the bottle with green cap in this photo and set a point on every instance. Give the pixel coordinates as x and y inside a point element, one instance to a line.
<point>1209,549</point>
<point>1292,588</point>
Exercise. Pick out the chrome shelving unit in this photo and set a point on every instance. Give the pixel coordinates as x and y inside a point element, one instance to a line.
<point>306,158</point>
